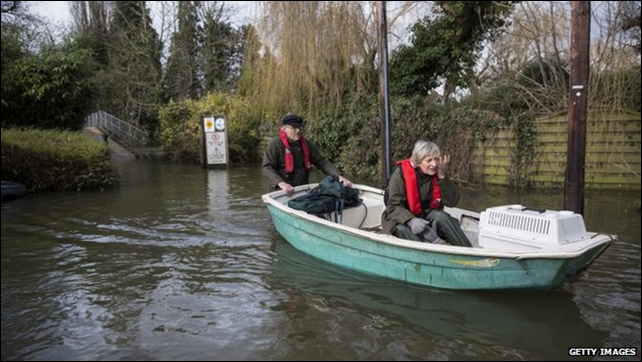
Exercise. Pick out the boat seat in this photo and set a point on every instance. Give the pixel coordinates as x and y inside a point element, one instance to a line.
<point>363,216</point>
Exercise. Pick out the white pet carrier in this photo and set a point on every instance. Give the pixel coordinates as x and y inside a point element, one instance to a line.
<point>514,227</point>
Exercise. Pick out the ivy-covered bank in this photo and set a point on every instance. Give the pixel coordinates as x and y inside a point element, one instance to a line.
<point>56,160</point>
<point>349,134</point>
<point>487,145</point>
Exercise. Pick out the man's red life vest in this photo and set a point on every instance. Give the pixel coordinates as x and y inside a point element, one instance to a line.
<point>289,158</point>
<point>412,188</point>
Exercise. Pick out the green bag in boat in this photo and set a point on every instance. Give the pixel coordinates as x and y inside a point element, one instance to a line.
<point>329,196</point>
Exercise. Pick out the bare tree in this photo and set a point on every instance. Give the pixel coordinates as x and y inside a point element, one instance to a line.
<point>531,59</point>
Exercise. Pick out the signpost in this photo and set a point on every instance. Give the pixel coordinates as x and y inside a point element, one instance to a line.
<point>215,148</point>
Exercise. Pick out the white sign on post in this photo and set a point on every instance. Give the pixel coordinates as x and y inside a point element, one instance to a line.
<point>215,141</point>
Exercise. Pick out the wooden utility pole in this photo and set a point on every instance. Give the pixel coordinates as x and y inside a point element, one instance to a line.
<point>577,106</point>
<point>384,98</point>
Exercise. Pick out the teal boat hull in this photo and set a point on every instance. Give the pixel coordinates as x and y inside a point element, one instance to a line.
<point>423,264</point>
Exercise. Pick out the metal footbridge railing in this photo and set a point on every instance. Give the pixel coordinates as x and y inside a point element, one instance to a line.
<point>124,133</point>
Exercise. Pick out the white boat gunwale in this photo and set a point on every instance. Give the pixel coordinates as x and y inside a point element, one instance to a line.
<point>271,199</point>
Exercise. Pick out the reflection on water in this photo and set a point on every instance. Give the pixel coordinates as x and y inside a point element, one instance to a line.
<point>419,323</point>
<point>218,189</point>
<point>184,263</point>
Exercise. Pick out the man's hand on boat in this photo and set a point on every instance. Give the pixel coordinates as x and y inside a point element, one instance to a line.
<point>289,189</point>
<point>286,187</point>
<point>345,181</point>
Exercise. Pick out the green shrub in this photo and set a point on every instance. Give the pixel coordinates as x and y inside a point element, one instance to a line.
<point>180,127</point>
<point>56,160</point>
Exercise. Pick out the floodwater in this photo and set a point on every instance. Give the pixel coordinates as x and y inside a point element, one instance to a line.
<point>183,263</point>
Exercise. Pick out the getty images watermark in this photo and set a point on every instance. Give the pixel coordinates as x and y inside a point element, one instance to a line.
<point>603,351</point>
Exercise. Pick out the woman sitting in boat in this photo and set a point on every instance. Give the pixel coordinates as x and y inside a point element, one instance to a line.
<point>289,156</point>
<point>417,192</point>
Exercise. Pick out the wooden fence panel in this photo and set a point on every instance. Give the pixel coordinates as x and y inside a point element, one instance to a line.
<point>612,153</point>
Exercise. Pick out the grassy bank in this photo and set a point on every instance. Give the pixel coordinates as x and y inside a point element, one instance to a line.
<point>56,160</point>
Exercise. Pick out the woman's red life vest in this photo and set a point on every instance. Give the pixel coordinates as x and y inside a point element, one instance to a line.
<point>412,188</point>
<point>289,158</point>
